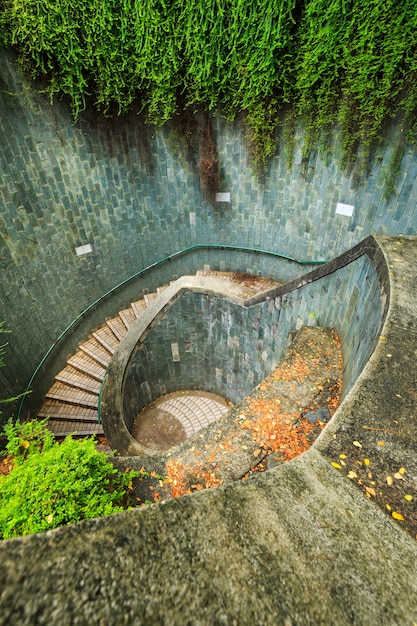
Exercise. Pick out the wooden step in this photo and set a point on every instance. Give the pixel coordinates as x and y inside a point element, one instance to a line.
<point>72,395</point>
<point>128,317</point>
<point>106,338</point>
<point>74,378</point>
<point>149,298</point>
<point>64,411</point>
<point>96,351</point>
<point>138,307</point>
<point>86,365</point>
<point>61,428</point>
<point>117,327</point>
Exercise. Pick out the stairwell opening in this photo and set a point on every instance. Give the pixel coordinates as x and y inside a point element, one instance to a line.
<point>174,417</point>
<point>215,338</point>
<point>198,353</point>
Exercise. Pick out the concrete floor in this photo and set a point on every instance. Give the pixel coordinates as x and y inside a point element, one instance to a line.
<point>176,416</point>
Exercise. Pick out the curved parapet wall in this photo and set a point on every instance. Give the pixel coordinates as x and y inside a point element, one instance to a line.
<point>228,345</point>
<point>380,411</point>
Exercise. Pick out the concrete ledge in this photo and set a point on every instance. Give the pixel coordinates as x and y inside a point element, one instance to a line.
<point>300,544</point>
<point>383,403</point>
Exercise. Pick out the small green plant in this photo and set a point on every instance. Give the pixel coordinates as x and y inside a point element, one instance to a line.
<point>53,484</point>
<point>313,319</point>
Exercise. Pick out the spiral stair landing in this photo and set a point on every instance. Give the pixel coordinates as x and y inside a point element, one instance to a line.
<point>71,404</point>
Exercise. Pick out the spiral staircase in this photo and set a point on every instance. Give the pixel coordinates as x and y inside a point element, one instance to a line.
<point>71,403</point>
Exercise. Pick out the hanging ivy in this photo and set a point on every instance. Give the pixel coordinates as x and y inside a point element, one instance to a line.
<point>346,62</point>
<point>355,59</point>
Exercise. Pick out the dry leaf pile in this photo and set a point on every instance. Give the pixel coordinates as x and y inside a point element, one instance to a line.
<point>271,422</point>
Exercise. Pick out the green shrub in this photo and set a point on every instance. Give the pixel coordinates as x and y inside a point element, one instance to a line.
<point>26,438</point>
<point>54,484</point>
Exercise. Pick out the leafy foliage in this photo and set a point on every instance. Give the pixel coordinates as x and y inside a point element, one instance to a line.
<point>54,484</point>
<point>356,61</point>
<point>350,62</point>
<point>26,438</point>
<point>261,122</point>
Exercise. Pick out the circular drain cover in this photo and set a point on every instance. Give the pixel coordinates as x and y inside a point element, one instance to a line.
<point>176,416</point>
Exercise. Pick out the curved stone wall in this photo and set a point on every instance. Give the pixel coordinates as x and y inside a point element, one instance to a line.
<point>128,192</point>
<point>228,347</point>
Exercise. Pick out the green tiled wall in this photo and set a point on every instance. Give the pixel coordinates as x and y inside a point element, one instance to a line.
<point>229,350</point>
<point>128,190</point>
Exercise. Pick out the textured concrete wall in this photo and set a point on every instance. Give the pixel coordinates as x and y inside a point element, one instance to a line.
<point>208,343</point>
<point>297,546</point>
<point>129,192</point>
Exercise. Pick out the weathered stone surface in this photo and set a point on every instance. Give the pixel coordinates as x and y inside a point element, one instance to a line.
<point>297,545</point>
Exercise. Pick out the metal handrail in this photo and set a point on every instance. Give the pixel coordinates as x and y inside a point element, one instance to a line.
<point>197,246</point>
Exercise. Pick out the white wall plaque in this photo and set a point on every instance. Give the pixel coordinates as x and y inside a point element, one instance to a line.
<point>223,196</point>
<point>83,249</point>
<point>344,209</point>
<point>175,352</point>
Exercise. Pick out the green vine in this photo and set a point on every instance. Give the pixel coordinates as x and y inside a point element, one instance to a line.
<point>288,136</point>
<point>350,63</point>
<point>261,122</point>
<point>393,169</point>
